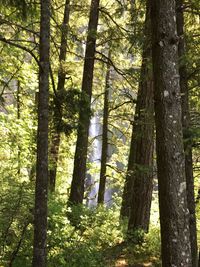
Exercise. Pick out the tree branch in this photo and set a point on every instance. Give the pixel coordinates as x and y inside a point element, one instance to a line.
<point>20,47</point>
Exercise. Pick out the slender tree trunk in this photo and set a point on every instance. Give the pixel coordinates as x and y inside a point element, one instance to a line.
<point>55,140</point>
<point>104,150</point>
<point>186,130</point>
<point>79,173</point>
<point>18,117</point>
<point>174,216</point>
<point>41,190</point>
<point>136,200</point>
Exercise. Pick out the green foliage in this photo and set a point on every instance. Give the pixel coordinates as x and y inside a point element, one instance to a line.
<point>134,254</point>
<point>97,242</point>
<point>152,242</point>
<point>21,4</point>
<point>83,246</point>
<point>97,239</point>
<point>148,249</point>
<point>66,105</point>
<point>16,223</point>
<point>17,171</point>
<point>24,7</point>
<point>136,236</point>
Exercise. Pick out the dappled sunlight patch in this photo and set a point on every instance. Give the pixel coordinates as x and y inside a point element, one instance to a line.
<point>121,263</point>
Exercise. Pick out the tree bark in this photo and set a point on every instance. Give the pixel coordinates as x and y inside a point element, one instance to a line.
<point>55,140</point>
<point>104,150</point>
<point>186,129</point>
<point>136,201</point>
<point>174,215</point>
<point>41,190</point>
<point>79,172</point>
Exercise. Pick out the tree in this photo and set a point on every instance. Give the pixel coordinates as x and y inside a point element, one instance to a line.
<point>96,230</point>
<point>136,199</point>
<point>41,189</point>
<point>104,150</point>
<point>174,219</point>
<point>186,130</point>
<point>55,138</point>
<point>143,143</point>
<point>79,173</point>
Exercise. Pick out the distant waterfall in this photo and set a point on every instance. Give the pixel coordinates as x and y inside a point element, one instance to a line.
<point>92,181</point>
<point>93,173</point>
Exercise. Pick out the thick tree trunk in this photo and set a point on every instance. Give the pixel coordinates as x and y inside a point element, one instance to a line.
<point>136,201</point>
<point>55,140</point>
<point>79,173</point>
<point>41,190</point>
<point>186,129</point>
<point>104,150</point>
<point>174,215</point>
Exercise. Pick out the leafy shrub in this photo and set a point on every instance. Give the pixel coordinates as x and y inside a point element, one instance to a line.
<point>82,246</point>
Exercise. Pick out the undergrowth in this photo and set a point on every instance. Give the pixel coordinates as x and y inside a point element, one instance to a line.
<point>97,241</point>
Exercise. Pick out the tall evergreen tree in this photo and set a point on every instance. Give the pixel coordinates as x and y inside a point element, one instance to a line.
<point>55,138</point>
<point>186,130</point>
<point>41,189</point>
<point>79,173</point>
<point>136,199</point>
<point>143,141</point>
<point>174,217</point>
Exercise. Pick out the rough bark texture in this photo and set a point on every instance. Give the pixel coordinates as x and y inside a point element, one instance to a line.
<point>187,139</point>
<point>186,128</point>
<point>79,173</point>
<point>55,139</point>
<point>41,190</point>
<point>104,150</point>
<point>174,215</point>
<point>136,201</point>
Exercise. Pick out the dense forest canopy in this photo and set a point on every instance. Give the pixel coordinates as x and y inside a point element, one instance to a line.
<point>100,133</point>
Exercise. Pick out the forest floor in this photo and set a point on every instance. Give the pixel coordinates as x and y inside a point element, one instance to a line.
<point>121,262</point>
<point>123,255</point>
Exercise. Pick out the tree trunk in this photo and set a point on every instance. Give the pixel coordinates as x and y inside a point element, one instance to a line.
<point>79,173</point>
<point>186,130</point>
<point>138,187</point>
<point>41,190</point>
<point>174,216</point>
<point>18,117</point>
<point>104,150</point>
<point>144,142</point>
<point>55,140</point>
